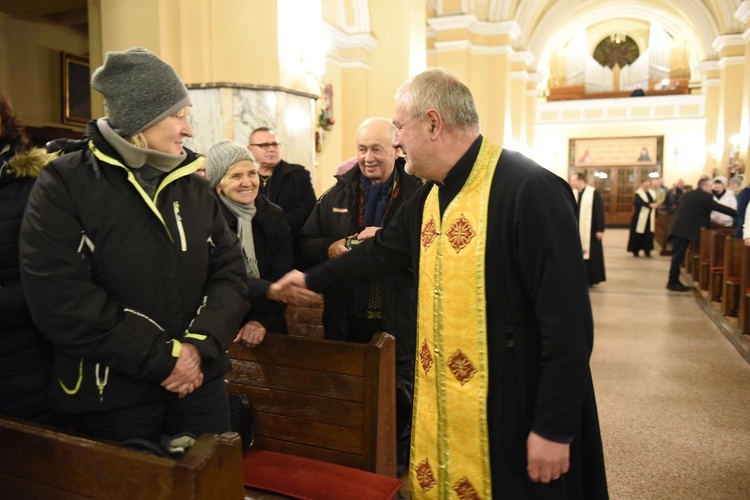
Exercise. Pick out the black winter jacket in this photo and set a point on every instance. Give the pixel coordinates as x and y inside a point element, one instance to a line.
<point>273,250</point>
<point>291,189</point>
<point>119,281</point>
<point>335,217</point>
<point>25,354</point>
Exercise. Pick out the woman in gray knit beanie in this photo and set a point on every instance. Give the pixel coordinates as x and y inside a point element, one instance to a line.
<point>130,269</point>
<point>264,235</point>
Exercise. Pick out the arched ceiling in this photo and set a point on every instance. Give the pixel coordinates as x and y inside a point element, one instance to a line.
<point>547,25</point>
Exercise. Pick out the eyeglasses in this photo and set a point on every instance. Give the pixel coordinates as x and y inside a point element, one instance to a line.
<point>266,145</point>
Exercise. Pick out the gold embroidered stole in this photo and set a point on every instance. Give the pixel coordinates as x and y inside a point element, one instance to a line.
<point>450,441</point>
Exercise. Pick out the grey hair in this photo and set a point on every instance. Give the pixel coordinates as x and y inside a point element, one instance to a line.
<point>439,89</point>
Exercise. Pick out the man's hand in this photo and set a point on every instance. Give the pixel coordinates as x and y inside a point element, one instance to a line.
<point>547,460</point>
<point>747,242</point>
<point>186,375</point>
<point>337,249</point>
<point>368,232</point>
<point>293,278</point>
<point>251,334</point>
<point>599,235</point>
<point>292,295</point>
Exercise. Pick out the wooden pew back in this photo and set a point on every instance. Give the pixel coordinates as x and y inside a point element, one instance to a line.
<point>40,462</point>
<point>716,264</point>
<point>744,305</point>
<point>733,252</point>
<point>306,321</point>
<point>322,399</point>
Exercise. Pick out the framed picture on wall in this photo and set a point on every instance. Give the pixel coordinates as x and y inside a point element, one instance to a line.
<point>76,90</point>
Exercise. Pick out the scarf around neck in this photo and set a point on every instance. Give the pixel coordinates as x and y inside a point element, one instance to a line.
<point>244,214</point>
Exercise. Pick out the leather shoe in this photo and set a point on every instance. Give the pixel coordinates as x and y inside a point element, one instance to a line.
<point>678,287</point>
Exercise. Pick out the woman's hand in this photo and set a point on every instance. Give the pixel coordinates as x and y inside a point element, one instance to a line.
<point>251,334</point>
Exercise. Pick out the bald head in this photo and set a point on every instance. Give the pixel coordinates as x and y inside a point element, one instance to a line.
<point>376,155</point>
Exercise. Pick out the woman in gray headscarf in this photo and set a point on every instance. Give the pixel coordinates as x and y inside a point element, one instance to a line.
<point>264,235</point>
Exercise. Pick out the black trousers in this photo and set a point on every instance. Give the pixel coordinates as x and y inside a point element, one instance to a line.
<point>206,410</point>
<point>679,248</point>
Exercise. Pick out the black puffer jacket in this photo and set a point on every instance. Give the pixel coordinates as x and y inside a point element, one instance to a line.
<point>273,250</point>
<point>25,355</point>
<point>119,281</point>
<point>335,217</point>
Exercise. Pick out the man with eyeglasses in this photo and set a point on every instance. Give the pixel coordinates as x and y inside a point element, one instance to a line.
<point>286,184</point>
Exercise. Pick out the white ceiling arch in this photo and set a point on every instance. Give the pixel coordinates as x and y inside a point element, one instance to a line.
<point>690,18</point>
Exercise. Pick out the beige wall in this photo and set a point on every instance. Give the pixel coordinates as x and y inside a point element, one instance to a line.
<point>30,71</point>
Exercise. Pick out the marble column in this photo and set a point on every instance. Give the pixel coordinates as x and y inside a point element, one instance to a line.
<point>231,111</point>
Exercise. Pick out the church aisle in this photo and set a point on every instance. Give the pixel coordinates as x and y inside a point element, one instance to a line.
<point>673,393</point>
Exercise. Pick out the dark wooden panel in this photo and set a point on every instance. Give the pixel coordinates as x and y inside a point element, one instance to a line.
<point>334,457</point>
<point>304,353</point>
<point>41,462</point>
<point>315,434</point>
<point>19,488</point>
<point>316,383</point>
<point>302,406</point>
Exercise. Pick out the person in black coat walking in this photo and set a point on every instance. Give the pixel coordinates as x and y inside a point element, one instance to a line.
<point>264,237</point>
<point>693,213</point>
<point>25,355</point>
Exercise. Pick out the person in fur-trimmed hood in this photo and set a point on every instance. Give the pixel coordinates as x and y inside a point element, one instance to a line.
<point>25,355</point>
<point>130,269</point>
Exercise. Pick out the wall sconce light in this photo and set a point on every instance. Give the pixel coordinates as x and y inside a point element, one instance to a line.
<point>735,162</point>
<point>713,151</point>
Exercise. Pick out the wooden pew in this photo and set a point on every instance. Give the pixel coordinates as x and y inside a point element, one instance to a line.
<point>41,462</point>
<point>700,259</point>
<point>306,321</point>
<point>322,399</point>
<point>744,309</point>
<point>690,253</point>
<point>716,264</point>
<point>661,233</point>
<point>733,256</point>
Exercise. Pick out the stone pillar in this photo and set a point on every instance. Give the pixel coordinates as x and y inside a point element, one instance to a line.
<point>480,54</point>
<point>520,62</point>
<point>532,95</point>
<point>731,51</point>
<point>246,64</point>
<point>743,15</point>
<point>711,86</point>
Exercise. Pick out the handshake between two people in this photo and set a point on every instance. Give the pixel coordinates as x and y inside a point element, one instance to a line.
<point>291,289</point>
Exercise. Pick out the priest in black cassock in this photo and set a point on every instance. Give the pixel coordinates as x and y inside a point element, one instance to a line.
<point>504,402</point>
<point>590,226</point>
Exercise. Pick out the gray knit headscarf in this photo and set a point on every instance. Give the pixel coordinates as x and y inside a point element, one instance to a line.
<point>139,90</point>
<point>221,157</point>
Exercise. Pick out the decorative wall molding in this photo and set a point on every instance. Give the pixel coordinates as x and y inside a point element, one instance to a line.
<point>650,108</point>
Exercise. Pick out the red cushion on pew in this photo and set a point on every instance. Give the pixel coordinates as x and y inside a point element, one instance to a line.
<point>305,478</point>
<point>733,279</point>
<point>717,268</point>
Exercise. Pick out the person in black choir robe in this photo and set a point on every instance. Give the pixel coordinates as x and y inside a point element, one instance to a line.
<point>590,227</point>
<point>643,222</point>
<point>495,269</point>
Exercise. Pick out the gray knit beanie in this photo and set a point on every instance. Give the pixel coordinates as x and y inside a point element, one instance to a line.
<point>221,157</point>
<point>139,90</point>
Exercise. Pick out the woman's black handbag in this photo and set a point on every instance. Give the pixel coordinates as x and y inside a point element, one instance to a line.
<point>241,419</point>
